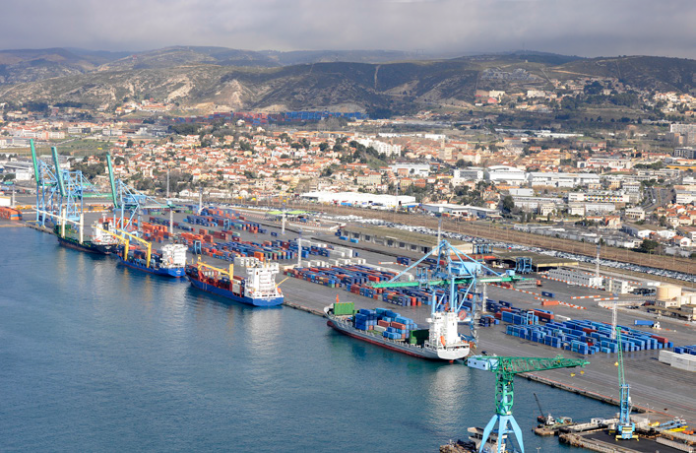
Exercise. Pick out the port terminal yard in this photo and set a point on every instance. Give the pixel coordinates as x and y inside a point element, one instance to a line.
<point>657,388</point>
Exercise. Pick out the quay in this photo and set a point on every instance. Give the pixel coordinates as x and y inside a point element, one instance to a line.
<point>656,388</point>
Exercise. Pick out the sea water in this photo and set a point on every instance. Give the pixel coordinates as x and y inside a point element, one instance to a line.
<point>96,357</point>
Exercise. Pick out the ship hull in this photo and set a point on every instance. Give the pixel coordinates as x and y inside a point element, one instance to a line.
<point>272,302</point>
<point>86,246</point>
<point>402,347</point>
<point>176,272</point>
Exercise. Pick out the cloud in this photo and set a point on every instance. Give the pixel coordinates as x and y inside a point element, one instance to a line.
<point>582,27</point>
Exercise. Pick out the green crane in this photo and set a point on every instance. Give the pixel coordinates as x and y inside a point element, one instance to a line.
<point>505,369</point>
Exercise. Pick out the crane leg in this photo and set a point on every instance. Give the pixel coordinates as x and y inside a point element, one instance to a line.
<point>503,430</point>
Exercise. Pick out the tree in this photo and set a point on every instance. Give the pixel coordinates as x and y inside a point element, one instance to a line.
<point>185,129</point>
<point>323,146</point>
<point>129,143</point>
<point>648,246</point>
<point>508,204</point>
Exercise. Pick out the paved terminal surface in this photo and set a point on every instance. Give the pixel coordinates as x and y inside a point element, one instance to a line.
<point>643,445</point>
<point>654,386</point>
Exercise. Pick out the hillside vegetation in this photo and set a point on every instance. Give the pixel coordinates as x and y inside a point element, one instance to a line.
<point>214,78</point>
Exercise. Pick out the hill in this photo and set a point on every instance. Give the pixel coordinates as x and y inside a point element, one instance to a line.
<point>205,79</point>
<point>649,73</point>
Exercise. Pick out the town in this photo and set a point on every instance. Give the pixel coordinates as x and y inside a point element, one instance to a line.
<point>625,183</point>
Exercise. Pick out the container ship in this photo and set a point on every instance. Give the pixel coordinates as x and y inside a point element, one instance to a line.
<point>388,329</point>
<point>99,241</point>
<point>258,289</point>
<point>171,262</point>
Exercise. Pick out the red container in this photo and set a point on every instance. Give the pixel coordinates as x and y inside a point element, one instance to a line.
<point>398,325</point>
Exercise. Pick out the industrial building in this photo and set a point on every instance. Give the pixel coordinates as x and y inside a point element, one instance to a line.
<point>361,199</point>
<point>616,286</point>
<point>506,174</point>
<point>577,277</point>
<point>539,262</point>
<point>456,210</point>
<point>400,239</point>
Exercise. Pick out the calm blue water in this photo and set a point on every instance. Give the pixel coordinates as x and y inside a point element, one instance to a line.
<point>95,357</point>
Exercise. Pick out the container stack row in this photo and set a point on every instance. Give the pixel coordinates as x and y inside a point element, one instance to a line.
<point>267,250</point>
<point>358,280</point>
<point>685,349</point>
<point>389,323</point>
<point>588,337</point>
<point>683,358</point>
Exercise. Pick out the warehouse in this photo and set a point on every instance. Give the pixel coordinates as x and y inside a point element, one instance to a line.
<point>400,239</point>
<point>361,199</point>
<point>456,210</point>
<point>577,277</point>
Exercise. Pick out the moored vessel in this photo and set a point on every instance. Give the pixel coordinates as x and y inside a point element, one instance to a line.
<point>258,288</point>
<point>171,262</point>
<point>388,329</point>
<point>98,242</point>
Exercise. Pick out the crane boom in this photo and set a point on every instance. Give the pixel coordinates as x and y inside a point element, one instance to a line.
<point>142,241</point>
<point>457,275</point>
<point>112,181</point>
<point>541,411</point>
<point>229,273</point>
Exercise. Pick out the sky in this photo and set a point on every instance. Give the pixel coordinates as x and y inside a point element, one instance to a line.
<point>572,27</point>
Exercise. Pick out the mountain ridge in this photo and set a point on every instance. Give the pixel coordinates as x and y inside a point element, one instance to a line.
<point>196,80</point>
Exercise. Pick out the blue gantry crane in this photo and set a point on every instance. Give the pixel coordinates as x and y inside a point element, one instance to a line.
<point>458,275</point>
<point>127,200</point>
<point>47,196</point>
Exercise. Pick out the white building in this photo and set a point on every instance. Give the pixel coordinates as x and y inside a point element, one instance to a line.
<point>506,174</point>
<point>536,203</point>
<point>420,170</point>
<point>553,179</point>
<point>521,192</point>
<point>617,286</point>
<point>376,201</point>
<point>635,214</point>
<point>468,174</point>
<point>381,147</point>
<point>457,210</point>
<point>577,277</point>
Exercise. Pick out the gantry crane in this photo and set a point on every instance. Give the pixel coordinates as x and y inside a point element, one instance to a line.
<point>625,427</point>
<point>125,237</point>
<point>457,273</point>
<point>505,369</point>
<point>127,200</point>
<point>46,188</point>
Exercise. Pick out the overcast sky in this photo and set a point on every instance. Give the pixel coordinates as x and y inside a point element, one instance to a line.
<point>579,27</point>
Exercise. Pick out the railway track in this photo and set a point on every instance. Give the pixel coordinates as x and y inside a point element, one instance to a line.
<point>495,232</point>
